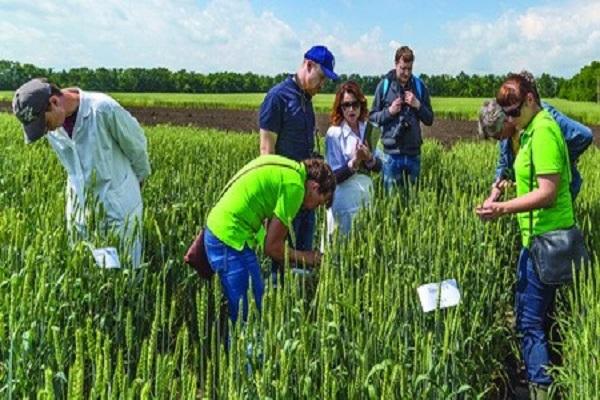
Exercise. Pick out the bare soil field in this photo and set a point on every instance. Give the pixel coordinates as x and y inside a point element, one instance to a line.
<point>445,130</point>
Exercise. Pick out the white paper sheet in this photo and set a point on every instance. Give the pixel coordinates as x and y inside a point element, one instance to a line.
<point>446,292</point>
<point>302,271</point>
<point>107,257</point>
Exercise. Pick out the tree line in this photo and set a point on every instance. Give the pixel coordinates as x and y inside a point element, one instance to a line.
<point>584,86</point>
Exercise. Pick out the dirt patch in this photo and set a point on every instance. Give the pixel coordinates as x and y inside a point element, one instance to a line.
<point>227,120</point>
<point>445,130</point>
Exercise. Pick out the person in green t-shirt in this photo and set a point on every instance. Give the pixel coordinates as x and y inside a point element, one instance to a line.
<point>272,188</point>
<point>546,199</point>
<point>492,124</point>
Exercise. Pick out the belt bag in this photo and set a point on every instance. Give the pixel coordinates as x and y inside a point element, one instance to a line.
<point>196,257</point>
<point>557,254</point>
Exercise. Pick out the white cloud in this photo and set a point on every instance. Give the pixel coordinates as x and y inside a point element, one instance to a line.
<point>368,54</point>
<point>223,35</point>
<point>557,39</point>
<point>231,35</point>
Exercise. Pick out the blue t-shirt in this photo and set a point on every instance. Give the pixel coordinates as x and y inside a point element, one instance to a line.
<point>288,111</point>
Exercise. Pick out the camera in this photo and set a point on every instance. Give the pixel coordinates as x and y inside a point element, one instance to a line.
<point>404,120</point>
<point>392,139</point>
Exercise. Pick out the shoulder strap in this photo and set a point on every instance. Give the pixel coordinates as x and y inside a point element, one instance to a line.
<point>386,87</point>
<point>244,172</point>
<point>531,172</point>
<point>418,84</point>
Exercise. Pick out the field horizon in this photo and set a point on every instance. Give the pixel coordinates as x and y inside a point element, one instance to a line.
<point>458,108</point>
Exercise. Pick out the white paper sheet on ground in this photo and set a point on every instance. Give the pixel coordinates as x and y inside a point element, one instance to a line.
<point>302,272</point>
<point>446,292</point>
<point>107,257</point>
<point>329,229</point>
<point>330,222</point>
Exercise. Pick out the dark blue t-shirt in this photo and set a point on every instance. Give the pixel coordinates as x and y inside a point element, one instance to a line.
<point>288,111</point>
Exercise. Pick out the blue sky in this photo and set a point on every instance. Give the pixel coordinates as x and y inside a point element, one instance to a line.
<point>269,36</point>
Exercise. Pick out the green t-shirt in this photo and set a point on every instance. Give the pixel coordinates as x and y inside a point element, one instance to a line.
<point>265,191</point>
<point>543,138</point>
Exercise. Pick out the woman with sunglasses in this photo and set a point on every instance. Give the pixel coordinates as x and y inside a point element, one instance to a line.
<point>493,123</point>
<point>349,153</point>
<point>543,204</point>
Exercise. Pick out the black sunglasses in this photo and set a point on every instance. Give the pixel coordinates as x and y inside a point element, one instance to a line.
<point>351,104</point>
<point>512,111</point>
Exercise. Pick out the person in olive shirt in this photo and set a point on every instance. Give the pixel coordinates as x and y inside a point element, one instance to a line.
<point>543,204</point>
<point>270,187</point>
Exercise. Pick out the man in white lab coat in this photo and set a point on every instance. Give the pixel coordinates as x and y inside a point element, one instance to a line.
<point>103,149</point>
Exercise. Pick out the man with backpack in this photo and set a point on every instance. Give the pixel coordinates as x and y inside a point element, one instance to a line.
<point>400,104</point>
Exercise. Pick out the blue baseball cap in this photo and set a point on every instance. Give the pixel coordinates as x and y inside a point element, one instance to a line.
<point>322,56</point>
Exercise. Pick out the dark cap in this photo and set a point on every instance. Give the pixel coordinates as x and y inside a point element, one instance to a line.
<point>322,56</point>
<point>491,119</point>
<point>30,104</point>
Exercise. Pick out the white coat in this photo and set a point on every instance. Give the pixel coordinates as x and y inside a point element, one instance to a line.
<point>107,158</point>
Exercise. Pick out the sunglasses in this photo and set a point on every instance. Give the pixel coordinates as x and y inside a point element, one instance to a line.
<point>513,111</point>
<point>355,105</point>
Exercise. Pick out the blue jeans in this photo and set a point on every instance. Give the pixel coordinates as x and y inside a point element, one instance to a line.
<point>398,170</point>
<point>304,232</point>
<point>534,301</point>
<point>235,269</point>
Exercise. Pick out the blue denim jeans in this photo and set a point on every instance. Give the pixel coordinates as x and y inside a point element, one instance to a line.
<point>534,301</point>
<point>235,269</point>
<point>400,169</point>
<point>304,232</point>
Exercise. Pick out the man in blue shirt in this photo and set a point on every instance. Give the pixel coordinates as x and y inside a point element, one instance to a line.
<point>287,125</point>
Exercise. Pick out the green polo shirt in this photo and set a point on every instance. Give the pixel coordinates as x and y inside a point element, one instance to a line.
<point>263,190</point>
<point>543,140</point>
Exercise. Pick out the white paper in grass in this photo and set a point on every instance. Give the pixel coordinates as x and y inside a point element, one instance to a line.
<point>446,292</point>
<point>302,271</point>
<point>107,257</point>
<point>327,231</point>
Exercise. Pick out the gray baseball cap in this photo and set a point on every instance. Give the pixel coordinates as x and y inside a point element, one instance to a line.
<point>491,119</point>
<point>30,104</point>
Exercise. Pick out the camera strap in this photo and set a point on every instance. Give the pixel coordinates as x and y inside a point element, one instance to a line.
<point>243,172</point>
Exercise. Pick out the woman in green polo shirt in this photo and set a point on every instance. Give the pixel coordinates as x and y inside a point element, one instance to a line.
<point>548,202</point>
<point>269,187</point>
